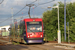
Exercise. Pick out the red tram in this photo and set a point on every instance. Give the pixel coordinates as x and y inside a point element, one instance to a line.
<point>28,31</point>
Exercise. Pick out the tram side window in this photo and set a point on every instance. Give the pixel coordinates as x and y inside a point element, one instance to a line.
<point>24,26</point>
<point>20,28</point>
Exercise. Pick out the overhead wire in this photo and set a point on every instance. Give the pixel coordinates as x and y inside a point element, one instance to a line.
<point>44,3</point>
<point>24,7</point>
<point>2,1</point>
<point>16,13</point>
<point>41,4</point>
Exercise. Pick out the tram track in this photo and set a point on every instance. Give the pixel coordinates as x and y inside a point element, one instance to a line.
<point>46,46</point>
<point>38,46</point>
<point>3,41</point>
<point>35,46</point>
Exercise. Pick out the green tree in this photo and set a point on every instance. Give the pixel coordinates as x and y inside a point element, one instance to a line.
<point>50,19</point>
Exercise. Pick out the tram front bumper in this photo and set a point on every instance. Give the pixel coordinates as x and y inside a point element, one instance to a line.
<point>35,41</point>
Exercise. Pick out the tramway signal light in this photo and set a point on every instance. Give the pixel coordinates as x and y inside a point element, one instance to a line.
<point>41,36</point>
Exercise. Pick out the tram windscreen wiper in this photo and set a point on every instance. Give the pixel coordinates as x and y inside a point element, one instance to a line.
<point>31,31</point>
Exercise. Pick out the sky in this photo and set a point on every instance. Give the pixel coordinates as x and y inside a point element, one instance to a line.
<point>6,10</point>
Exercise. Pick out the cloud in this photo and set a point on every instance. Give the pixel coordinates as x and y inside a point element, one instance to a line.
<point>72,1</point>
<point>4,3</point>
<point>5,8</point>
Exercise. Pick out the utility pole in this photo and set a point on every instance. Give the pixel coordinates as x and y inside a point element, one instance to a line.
<point>29,5</point>
<point>12,14</point>
<point>38,2</point>
<point>65,19</point>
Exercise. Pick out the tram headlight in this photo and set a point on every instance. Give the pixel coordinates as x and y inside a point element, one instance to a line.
<point>41,36</point>
<point>30,41</point>
<point>28,36</point>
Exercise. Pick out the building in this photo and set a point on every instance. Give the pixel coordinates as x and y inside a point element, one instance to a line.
<point>4,30</point>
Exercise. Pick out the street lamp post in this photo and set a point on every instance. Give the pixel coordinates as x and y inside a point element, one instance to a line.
<point>59,33</point>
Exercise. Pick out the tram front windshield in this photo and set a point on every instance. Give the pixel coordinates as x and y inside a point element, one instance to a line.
<point>34,26</point>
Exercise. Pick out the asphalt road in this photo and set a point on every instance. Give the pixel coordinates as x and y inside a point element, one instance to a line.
<point>46,46</point>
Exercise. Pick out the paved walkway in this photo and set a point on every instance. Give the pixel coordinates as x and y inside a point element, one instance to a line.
<point>61,44</point>
<point>67,45</point>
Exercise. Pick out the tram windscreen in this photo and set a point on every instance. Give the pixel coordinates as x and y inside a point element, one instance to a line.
<point>34,26</point>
